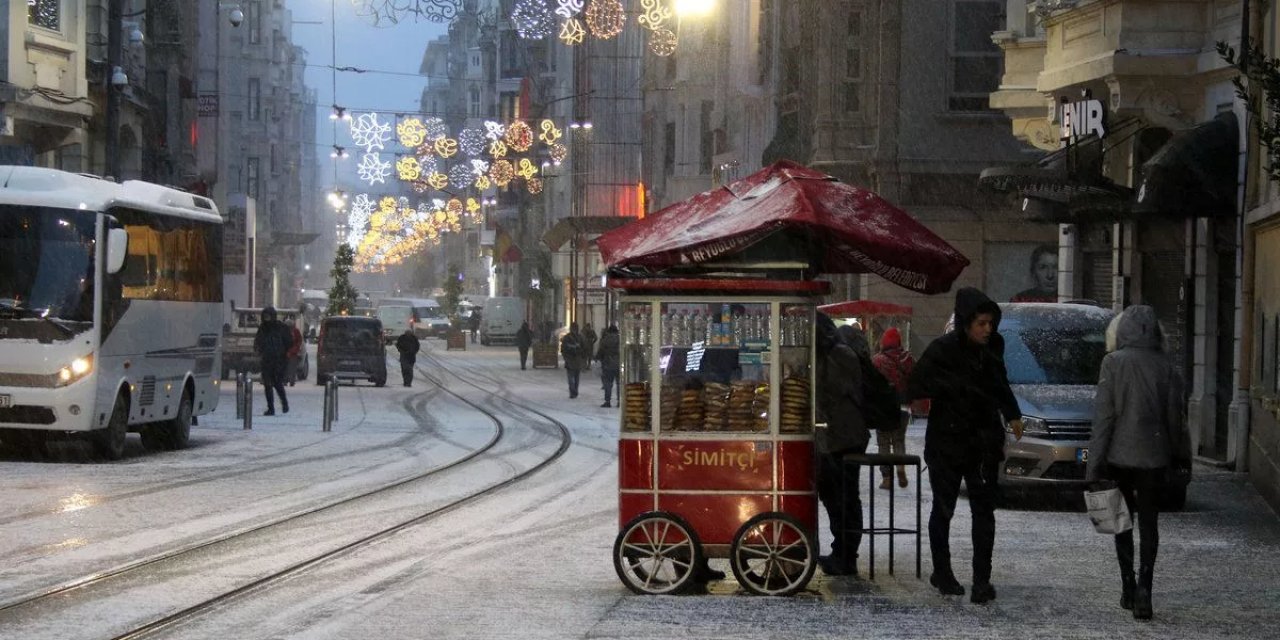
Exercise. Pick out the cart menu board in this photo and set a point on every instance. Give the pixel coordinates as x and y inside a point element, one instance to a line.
<point>714,363</point>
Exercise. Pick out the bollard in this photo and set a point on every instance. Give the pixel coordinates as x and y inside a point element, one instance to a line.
<point>335,399</point>
<point>248,402</point>
<point>239,395</point>
<point>326,420</point>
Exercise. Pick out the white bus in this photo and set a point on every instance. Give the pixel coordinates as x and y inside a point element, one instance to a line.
<point>110,309</point>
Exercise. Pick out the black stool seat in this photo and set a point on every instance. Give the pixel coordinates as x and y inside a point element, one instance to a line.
<point>872,461</point>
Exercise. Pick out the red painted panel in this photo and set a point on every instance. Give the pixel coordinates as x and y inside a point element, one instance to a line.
<point>715,518</point>
<point>795,466</point>
<point>803,508</point>
<point>635,464</point>
<point>631,505</point>
<point>720,465</point>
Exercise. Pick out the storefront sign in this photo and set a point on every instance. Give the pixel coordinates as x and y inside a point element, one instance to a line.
<point>1079,119</point>
<point>207,105</point>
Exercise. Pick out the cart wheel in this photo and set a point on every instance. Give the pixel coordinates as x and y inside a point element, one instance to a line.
<point>656,553</point>
<point>773,555</point>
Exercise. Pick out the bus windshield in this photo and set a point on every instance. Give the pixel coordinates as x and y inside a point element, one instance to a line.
<point>46,267</point>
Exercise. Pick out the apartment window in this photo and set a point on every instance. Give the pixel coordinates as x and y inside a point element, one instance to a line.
<point>507,106</point>
<point>253,180</point>
<point>45,13</point>
<point>475,102</point>
<point>254,106</point>
<point>976,61</point>
<point>275,163</point>
<point>706,137</point>
<point>669,149</point>
<point>255,22</point>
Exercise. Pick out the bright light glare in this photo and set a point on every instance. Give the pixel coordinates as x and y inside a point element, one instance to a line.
<point>80,366</point>
<point>694,7</point>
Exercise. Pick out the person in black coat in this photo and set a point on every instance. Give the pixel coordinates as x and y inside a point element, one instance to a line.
<point>272,343</point>
<point>524,340</point>
<point>571,350</point>
<point>408,345</point>
<point>840,407</point>
<point>963,373</point>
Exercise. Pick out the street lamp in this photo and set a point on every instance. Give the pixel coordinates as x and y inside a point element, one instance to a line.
<point>694,7</point>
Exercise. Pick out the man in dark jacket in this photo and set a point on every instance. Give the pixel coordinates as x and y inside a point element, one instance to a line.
<point>473,323</point>
<point>572,351</point>
<point>408,345</point>
<point>589,339</point>
<point>524,340</point>
<point>963,373</point>
<point>840,400</point>
<point>609,357</point>
<point>272,343</point>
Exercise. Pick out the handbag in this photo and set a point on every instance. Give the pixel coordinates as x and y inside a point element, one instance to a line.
<point>1108,511</point>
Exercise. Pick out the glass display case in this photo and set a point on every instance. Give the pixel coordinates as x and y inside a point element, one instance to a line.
<point>717,365</point>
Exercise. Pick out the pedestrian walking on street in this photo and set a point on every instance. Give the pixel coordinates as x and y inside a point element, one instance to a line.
<point>840,400</point>
<point>408,345</point>
<point>294,354</point>
<point>524,340</point>
<point>963,373</point>
<point>1139,437</point>
<point>473,323</point>
<point>610,363</point>
<point>589,339</point>
<point>895,364</point>
<point>272,343</point>
<point>572,352</point>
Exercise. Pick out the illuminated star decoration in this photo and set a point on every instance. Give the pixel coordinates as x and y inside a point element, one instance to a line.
<point>519,136</point>
<point>605,18</point>
<point>550,134</point>
<point>372,169</point>
<point>483,182</point>
<point>572,32</point>
<point>408,168</point>
<point>498,149</point>
<point>533,19</point>
<point>368,133</point>
<point>411,132</point>
<point>472,142</point>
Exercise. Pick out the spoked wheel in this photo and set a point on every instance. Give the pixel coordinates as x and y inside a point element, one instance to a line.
<point>773,555</point>
<point>657,553</point>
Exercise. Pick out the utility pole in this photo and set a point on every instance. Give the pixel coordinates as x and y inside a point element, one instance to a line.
<point>115,46</point>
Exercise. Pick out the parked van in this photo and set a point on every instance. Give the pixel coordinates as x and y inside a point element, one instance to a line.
<point>428,318</point>
<point>501,319</point>
<point>395,321</point>
<point>351,348</point>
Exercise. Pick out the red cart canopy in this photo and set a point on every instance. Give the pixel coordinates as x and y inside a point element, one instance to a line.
<point>860,308</point>
<point>839,228</point>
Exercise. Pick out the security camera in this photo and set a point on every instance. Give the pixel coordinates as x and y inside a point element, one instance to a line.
<point>236,17</point>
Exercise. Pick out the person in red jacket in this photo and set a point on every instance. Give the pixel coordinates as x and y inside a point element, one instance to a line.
<point>294,354</point>
<point>895,363</point>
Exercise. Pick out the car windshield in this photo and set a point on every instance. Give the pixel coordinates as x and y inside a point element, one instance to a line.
<point>47,266</point>
<point>425,313</point>
<point>1054,348</point>
<point>351,335</point>
<point>394,313</point>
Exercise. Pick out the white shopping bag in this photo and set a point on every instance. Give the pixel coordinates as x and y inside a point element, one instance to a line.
<point>1108,511</point>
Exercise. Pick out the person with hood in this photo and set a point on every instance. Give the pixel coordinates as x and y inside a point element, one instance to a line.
<point>589,339</point>
<point>1139,433</point>
<point>610,362</point>
<point>895,364</point>
<point>571,350</point>
<point>294,356</point>
<point>408,345</point>
<point>963,372</point>
<point>524,340</point>
<point>473,324</point>
<point>272,343</point>
<point>839,407</point>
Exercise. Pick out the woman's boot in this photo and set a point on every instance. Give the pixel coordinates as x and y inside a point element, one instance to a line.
<point>1142,595</point>
<point>902,476</point>
<point>1124,554</point>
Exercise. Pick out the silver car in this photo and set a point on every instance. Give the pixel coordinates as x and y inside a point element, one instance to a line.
<point>1053,353</point>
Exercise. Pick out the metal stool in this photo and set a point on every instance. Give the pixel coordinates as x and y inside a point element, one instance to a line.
<point>872,461</point>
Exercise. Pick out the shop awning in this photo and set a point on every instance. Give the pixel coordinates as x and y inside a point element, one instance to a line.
<point>565,228</point>
<point>829,226</point>
<point>1194,174</point>
<point>861,308</point>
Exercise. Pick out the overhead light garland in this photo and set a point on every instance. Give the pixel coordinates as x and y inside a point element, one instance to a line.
<point>519,136</point>
<point>533,19</point>
<point>605,18</point>
<point>472,142</point>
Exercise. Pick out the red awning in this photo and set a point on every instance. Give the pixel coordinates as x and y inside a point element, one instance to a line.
<point>843,229</point>
<point>862,308</point>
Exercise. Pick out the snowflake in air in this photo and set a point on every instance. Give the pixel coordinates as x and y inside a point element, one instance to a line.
<point>373,170</point>
<point>368,133</point>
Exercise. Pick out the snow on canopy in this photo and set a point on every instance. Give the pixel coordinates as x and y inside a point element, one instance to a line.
<point>841,229</point>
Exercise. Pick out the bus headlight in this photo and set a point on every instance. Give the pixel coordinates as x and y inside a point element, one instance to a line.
<point>79,368</point>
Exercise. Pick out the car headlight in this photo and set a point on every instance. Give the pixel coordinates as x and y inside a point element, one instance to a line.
<point>1032,426</point>
<point>79,368</point>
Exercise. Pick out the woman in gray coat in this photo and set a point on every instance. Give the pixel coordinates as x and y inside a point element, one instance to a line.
<point>1139,433</point>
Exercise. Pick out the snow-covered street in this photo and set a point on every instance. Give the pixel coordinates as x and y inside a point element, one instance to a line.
<point>530,559</point>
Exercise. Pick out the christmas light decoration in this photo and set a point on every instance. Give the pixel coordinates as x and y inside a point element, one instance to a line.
<point>390,12</point>
<point>558,153</point>
<point>501,172</point>
<point>526,169</point>
<point>428,163</point>
<point>420,185</point>
<point>479,167</point>
<point>483,182</point>
<point>438,181</point>
<point>534,185</point>
<point>411,132</point>
<point>572,32</point>
<point>368,133</point>
<point>533,19</point>
<point>446,147</point>
<point>361,207</point>
<point>569,8</point>
<point>408,168</point>
<point>372,169</point>
<point>663,42</point>
<point>654,14</point>
<point>494,130</point>
<point>550,134</point>
<point>460,174</point>
<point>473,206</point>
<point>472,142</point>
<point>436,129</point>
<point>605,18</point>
<point>454,207</point>
<point>386,205</point>
<point>498,149</point>
<point>519,136</point>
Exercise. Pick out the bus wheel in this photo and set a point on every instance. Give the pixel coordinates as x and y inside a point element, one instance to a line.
<point>171,434</point>
<point>109,442</point>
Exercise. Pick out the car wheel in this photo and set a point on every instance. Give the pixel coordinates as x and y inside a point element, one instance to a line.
<point>380,382</point>
<point>109,442</point>
<point>172,434</point>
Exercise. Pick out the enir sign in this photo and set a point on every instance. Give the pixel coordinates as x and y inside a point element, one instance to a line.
<point>1080,119</point>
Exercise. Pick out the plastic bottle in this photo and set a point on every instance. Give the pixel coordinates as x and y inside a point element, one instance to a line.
<point>739,329</point>
<point>642,328</point>
<point>699,329</point>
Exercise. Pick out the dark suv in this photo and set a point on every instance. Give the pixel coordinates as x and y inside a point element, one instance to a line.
<point>351,348</point>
